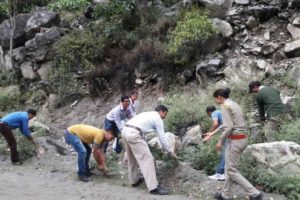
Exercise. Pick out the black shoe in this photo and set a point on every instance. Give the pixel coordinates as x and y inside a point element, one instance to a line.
<point>220,197</point>
<point>89,173</point>
<point>160,191</point>
<point>84,178</point>
<point>258,197</point>
<point>140,181</point>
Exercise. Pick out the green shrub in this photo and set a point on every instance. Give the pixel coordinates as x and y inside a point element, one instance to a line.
<point>68,5</point>
<point>276,183</point>
<point>7,78</point>
<point>289,131</point>
<point>9,98</point>
<point>114,9</point>
<point>192,30</point>
<point>202,157</point>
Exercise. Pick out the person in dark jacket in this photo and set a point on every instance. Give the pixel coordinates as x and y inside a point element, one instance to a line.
<point>270,107</point>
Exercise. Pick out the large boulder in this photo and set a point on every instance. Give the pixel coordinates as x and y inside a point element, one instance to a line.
<point>27,70</point>
<point>38,47</point>
<point>173,140</point>
<point>223,27</point>
<point>216,8</point>
<point>45,70</point>
<point>193,136</point>
<point>292,49</point>
<point>294,31</point>
<point>19,37</point>
<point>208,70</point>
<point>41,18</point>
<point>281,156</point>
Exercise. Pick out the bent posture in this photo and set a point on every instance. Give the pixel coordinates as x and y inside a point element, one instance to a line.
<point>12,121</point>
<point>80,136</point>
<point>137,148</point>
<point>234,133</point>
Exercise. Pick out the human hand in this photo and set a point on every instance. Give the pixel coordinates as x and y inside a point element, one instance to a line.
<point>173,155</point>
<point>207,136</point>
<point>218,146</point>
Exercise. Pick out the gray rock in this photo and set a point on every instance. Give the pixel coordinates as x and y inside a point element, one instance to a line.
<point>43,18</point>
<point>292,49</point>
<point>186,76</point>
<point>53,100</point>
<point>5,61</point>
<point>269,48</point>
<point>242,2</point>
<point>193,136</point>
<point>294,3</point>
<point>295,73</point>
<point>45,70</point>
<point>174,141</point>
<point>261,64</point>
<point>19,38</point>
<point>283,157</point>
<point>139,81</point>
<point>294,31</point>
<point>224,27</point>
<point>252,22</point>
<point>217,8</point>
<point>296,21</point>
<point>27,70</point>
<point>262,12</point>
<point>207,69</point>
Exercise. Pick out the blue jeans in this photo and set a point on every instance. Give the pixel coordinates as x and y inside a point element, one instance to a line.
<point>221,166</point>
<point>84,152</point>
<point>111,125</point>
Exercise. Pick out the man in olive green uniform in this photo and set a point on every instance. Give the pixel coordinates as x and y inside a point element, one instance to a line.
<point>235,133</point>
<point>269,102</point>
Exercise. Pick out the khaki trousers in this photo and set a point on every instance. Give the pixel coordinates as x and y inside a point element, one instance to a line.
<point>271,128</point>
<point>233,153</point>
<point>138,154</point>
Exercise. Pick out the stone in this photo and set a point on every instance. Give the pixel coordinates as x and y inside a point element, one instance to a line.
<point>27,70</point>
<point>53,100</point>
<point>193,136</point>
<point>45,70</point>
<point>252,22</point>
<point>283,156</point>
<point>174,141</point>
<point>19,37</point>
<point>296,21</point>
<point>267,35</point>
<point>261,64</point>
<point>186,76</point>
<point>217,8</point>
<point>41,18</point>
<point>5,61</point>
<point>139,81</point>
<point>292,49</point>
<point>294,31</point>
<point>224,27</point>
<point>269,48</point>
<point>207,69</point>
<point>242,2</point>
<point>263,12</point>
<point>295,73</point>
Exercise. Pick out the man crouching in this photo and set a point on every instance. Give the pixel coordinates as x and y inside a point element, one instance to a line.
<point>80,136</point>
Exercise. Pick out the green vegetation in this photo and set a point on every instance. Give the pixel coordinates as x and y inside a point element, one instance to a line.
<point>9,98</point>
<point>68,5</point>
<point>191,31</point>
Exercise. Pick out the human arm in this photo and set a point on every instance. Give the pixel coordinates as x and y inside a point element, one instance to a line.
<point>261,108</point>
<point>159,127</point>
<point>118,120</point>
<point>208,135</point>
<point>98,153</point>
<point>25,130</point>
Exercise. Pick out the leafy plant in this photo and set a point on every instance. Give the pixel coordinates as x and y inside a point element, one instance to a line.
<point>68,5</point>
<point>193,29</point>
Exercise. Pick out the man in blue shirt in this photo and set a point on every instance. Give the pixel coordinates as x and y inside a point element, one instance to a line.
<point>12,121</point>
<point>114,120</point>
<point>217,122</point>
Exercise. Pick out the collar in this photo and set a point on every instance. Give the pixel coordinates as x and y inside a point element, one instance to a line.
<point>261,87</point>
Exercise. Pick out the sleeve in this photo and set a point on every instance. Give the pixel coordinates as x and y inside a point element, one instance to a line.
<point>261,108</point>
<point>24,128</point>
<point>159,126</point>
<point>99,140</point>
<point>227,123</point>
<point>118,121</point>
<point>131,112</point>
<point>214,115</point>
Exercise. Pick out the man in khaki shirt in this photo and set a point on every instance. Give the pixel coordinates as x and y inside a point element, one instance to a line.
<point>80,136</point>
<point>234,130</point>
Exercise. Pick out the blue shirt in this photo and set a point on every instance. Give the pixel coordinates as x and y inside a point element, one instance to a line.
<point>217,115</point>
<point>18,120</point>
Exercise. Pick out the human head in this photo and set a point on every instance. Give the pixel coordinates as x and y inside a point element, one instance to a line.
<point>134,96</point>
<point>109,135</point>
<point>254,86</point>
<point>31,113</point>
<point>162,111</point>
<point>210,109</point>
<point>125,101</point>
<point>221,95</point>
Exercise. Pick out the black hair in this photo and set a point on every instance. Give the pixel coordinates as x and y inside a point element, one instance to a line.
<point>210,109</point>
<point>252,84</point>
<point>115,134</point>
<point>134,93</point>
<point>31,111</point>
<point>161,108</point>
<point>222,92</point>
<point>123,98</point>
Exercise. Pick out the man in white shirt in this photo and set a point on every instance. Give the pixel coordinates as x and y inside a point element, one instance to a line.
<point>138,151</point>
<point>133,101</point>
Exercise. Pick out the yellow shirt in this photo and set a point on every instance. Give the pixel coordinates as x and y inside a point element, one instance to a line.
<point>88,134</point>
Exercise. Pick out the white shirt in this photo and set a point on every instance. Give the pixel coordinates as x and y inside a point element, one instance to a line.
<point>151,122</point>
<point>118,114</point>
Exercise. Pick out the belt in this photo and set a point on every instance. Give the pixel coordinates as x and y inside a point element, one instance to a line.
<point>237,137</point>
<point>134,127</point>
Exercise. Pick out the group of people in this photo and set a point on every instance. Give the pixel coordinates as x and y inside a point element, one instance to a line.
<point>229,120</point>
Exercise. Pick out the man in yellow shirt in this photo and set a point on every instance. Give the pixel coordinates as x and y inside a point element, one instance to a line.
<point>80,136</point>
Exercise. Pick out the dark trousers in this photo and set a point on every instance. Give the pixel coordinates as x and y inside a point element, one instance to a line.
<point>11,141</point>
<point>111,125</point>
